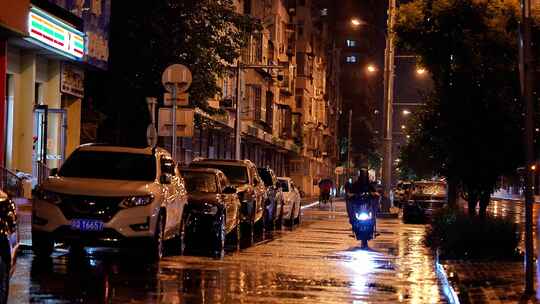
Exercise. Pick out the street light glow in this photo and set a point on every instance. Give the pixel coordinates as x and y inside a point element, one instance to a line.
<point>403,127</point>
<point>355,22</point>
<point>371,68</point>
<point>420,71</point>
<point>406,112</point>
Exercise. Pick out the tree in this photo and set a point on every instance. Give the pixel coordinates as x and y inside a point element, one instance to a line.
<point>147,36</point>
<point>471,128</point>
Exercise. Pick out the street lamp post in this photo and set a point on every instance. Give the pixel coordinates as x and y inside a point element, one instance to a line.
<point>388,98</point>
<point>526,77</point>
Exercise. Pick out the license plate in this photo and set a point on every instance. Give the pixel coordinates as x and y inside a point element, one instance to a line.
<point>86,225</point>
<point>364,228</point>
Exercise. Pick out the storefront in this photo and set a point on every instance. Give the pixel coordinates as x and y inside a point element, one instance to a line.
<point>43,90</point>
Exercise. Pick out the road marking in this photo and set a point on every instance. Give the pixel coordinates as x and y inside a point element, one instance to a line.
<point>309,206</point>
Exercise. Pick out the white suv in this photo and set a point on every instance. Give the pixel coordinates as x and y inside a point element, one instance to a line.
<point>110,196</point>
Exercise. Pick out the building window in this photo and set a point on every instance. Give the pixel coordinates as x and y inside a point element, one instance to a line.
<point>256,100</point>
<point>300,29</point>
<point>299,102</point>
<point>247,7</point>
<point>351,43</point>
<point>352,59</point>
<point>269,108</point>
<point>301,64</point>
<point>225,86</point>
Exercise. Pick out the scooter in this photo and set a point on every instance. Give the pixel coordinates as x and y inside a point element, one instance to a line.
<point>363,218</point>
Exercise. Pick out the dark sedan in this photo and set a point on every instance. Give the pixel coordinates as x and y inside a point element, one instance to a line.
<point>425,198</point>
<point>213,211</point>
<point>274,198</point>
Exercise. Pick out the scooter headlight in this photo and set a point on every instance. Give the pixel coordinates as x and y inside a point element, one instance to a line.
<point>363,216</point>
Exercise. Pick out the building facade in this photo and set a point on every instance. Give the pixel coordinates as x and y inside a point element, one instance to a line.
<point>44,52</point>
<point>288,109</point>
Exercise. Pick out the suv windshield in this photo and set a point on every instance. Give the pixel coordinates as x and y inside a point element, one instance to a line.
<point>430,189</point>
<point>236,174</point>
<point>266,176</point>
<point>200,182</point>
<point>110,165</point>
<point>284,185</point>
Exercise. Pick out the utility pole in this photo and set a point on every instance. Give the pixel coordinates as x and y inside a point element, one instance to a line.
<point>388,98</point>
<point>237,122</point>
<point>527,81</point>
<point>349,145</point>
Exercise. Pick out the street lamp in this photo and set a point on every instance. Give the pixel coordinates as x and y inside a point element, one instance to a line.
<point>371,69</point>
<point>406,112</point>
<point>421,71</point>
<point>355,22</point>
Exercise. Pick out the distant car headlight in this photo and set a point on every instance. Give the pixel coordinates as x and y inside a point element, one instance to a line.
<point>363,216</point>
<point>136,201</point>
<point>204,208</point>
<point>48,196</point>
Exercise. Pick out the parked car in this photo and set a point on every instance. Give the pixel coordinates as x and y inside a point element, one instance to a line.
<point>250,189</point>
<point>291,201</point>
<point>111,196</point>
<point>402,192</point>
<point>213,209</point>
<point>9,243</point>
<point>274,198</point>
<point>426,197</point>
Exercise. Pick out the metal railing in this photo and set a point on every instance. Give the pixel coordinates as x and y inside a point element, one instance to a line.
<point>11,183</point>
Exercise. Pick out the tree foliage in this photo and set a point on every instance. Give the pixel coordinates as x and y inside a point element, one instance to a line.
<point>147,36</point>
<point>470,130</point>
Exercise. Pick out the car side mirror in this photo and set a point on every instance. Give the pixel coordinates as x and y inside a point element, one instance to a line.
<point>53,172</point>
<point>165,179</point>
<point>229,190</point>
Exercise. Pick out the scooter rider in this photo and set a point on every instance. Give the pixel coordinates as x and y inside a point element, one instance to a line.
<point>359,187</point>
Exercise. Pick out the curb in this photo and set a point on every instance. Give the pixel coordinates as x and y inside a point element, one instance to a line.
<point>448,289</point>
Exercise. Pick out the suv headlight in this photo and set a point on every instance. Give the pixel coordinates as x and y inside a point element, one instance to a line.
<point>136,201</point>
<point>48,196</point>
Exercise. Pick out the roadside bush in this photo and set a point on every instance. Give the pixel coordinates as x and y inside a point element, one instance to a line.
<point>458,236</point>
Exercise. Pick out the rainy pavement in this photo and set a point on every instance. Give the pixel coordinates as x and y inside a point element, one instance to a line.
<point>318,262</point>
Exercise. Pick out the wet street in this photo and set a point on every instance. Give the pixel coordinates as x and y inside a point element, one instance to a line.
<point>318,262</point>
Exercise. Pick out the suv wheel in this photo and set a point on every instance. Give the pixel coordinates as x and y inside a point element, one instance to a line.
<point>279,223</point>
<point>235,234</point>
<point>177,245</point>
<point>42,244</point>
<point>247,232</point>
<point>219,241</point>
<point>156,252</point>
<point>298,218</point>
<point>4,279</point>
<point>291,217</point>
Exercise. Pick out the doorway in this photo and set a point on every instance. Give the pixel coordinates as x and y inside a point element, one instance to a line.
<point>49,140</point>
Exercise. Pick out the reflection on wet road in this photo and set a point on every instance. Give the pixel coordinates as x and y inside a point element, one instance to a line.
<point>319,262</point>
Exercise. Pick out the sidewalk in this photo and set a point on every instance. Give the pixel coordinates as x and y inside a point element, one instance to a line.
<point>487,282</point>
<point>503,195</point>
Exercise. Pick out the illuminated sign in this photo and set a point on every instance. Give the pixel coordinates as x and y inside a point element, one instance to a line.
<point>56,34</point>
